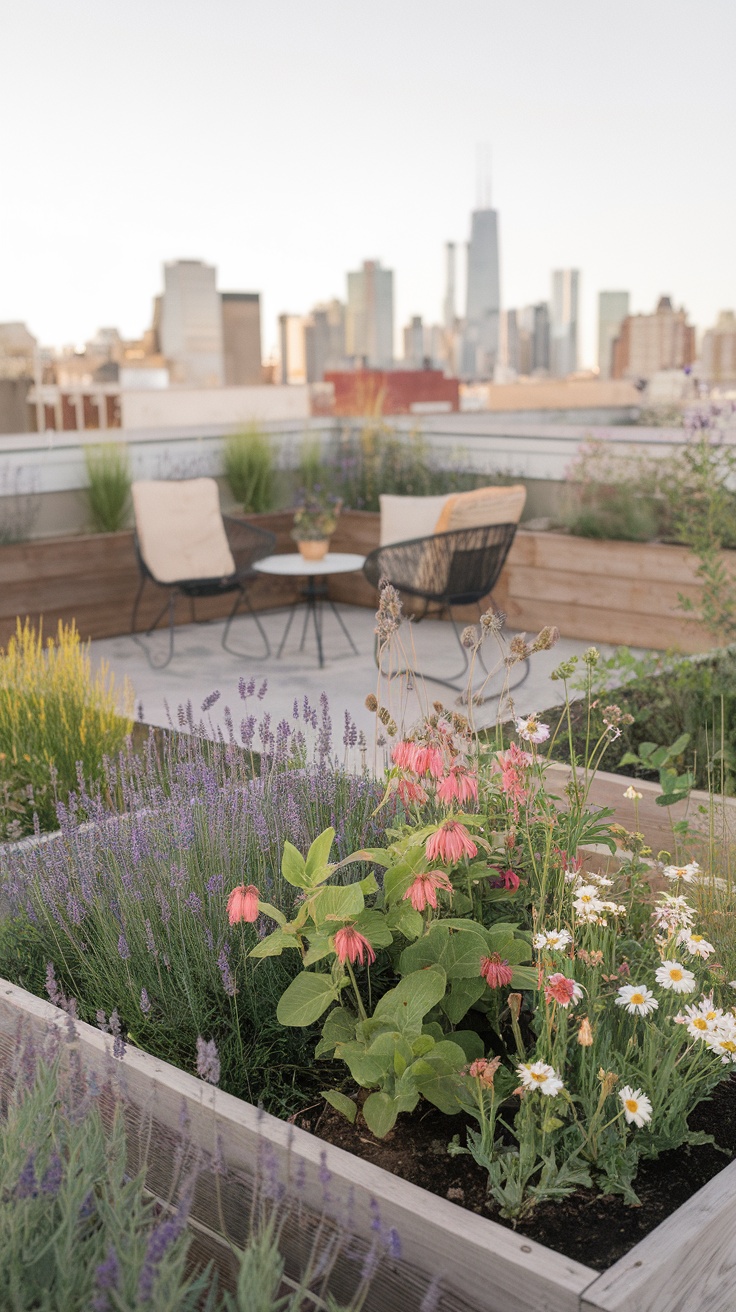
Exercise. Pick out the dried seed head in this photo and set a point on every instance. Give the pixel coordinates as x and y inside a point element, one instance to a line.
<point>392,728</point>
<point>585,1034</point>
<point>591,656</point>
<point>492,621</point>
<point>470,636</point>
<point>438,707</point>
<point>371,702</point>
<point>388,615</point>
<point>514,1001</point>
<point>384,715</point>
<point>546,638</point>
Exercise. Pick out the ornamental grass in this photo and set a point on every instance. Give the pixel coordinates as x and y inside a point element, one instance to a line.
<point>58,721</point>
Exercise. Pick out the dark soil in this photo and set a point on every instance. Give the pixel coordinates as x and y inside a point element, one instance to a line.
<point>589,1227</point>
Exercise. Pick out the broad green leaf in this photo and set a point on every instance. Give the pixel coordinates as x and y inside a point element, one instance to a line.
<point>463,993</point>
<point>319,948</point>
<point>680,744</point>
<point>293,867</point>
<point>365,1069</point>
<point>338,903</point>
<point>405,920</point>
<point>341,1103</point>
<point>470,1042</point>
<point>273,944</point>
<point>369,885</point>
<point>374,927</point>
<point>378,856</point>
<point>273,913</point>
<point>338,1028</point>
<point>459,955</point>
<point>380,1112</point>
<point>407,1004</point>
<point>306,998</point>
<point>424,1043</point>
<point>318,856</point>
<point>396,881</point>
<point>525,977</point>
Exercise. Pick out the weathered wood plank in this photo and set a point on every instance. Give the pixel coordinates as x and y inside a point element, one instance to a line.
<point>688,1264</point>
<point>483,1267</point>
<point>641,596</point>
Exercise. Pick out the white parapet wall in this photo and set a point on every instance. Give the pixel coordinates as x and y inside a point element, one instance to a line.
<point>174,407</point>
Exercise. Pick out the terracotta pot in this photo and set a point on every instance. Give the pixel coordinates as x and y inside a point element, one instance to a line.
<point>314,550</point>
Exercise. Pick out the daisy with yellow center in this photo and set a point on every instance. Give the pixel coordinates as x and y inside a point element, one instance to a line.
<point>538,1075</point>
<point>637,1107</point>
<point>672,975</point>
<point>637,1000</point>
<point>696,944</point>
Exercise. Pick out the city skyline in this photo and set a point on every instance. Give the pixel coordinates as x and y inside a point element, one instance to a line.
<point>187,144</point>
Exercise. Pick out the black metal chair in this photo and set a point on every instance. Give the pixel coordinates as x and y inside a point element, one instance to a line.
<point>247,545</point>
<point>460,568</point>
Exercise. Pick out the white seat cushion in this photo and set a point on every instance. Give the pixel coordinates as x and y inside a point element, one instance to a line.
<point>181,535</point>
<point>404,518</point>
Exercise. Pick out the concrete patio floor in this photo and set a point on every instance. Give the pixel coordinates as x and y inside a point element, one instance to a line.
<point>200,666</point>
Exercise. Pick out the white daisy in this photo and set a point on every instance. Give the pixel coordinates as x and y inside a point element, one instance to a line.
<point>555,940</point>
<point>538,1075</point>
<point>601,881</point>
<point>701,1020</point>
<point>637,999</point>
<point>695,944</point>
<point>722,1039</point>
<point>637,1107</point>
<point>672,975</point>
<point>688,874</point>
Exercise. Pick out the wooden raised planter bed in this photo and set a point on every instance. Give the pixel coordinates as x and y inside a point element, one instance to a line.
<point>626,593</point>
<point>684,1265</point>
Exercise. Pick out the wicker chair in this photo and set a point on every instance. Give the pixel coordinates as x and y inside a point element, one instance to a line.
<point>445,570</point>
<point>179,529</point>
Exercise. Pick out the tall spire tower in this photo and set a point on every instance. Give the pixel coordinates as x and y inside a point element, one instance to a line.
<point>483,295</point>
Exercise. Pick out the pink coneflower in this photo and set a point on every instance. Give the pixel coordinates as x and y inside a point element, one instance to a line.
<point>562,990</point>
<point>352,946</point>
<point>450,843</point>
<point>242,904</point>
<point>423,892</point>
<point>429,760</point>
<point>459,785</point>
<point>484,1070</point>
<point>404,755</point>
<point>411,792</point>
<point>496,971</point>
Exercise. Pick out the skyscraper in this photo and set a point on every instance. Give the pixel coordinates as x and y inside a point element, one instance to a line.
<point>241,338</point>
<point>448,308</point>
<point>613,307</point>
<point>324,339</point>
<point>648,343</point>
<point>483,304</point>
<point>369,321</point>
<point>191,324</point>
<point>563,343</point>
<point>414,352</point>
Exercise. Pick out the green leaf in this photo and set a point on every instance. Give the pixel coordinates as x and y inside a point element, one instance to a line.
<point>424,1043</point>
<point>405,920</point>
<point>463,993</point>
<point>319,948</point>
<point>373,926</point>
<point>470,1042</point>
<point>524,977</point>
<point>318,857</point>
<point>293,866</point>
<point>339,902</point>
<point>366,1069</point>
<point>380,1112</point>
<point>306,998</point>
<point>369,885</point>
<point>459,954</point>
<point>341,1103</point>
<point>407,1004</point>
<point>338,1028</point>
<point>273,913</point>
<point>273,944</point>
<point>396,881</point>
<point>680,744</point>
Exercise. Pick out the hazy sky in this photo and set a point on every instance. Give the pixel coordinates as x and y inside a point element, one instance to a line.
<point>287,140</point>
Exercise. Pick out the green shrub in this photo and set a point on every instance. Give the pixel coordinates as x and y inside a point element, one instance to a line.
<point>108,494</point>
<point>248,463</point>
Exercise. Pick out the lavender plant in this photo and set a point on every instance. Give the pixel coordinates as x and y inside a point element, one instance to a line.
<point>131,909</point>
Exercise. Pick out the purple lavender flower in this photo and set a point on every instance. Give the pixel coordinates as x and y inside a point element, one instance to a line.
<point>263,690</point>
<point>159,1244</point>
<point>228,983</point>
<point>208,1061</point>
<point>210,700</point>
<point>107,1274</point>
<point>150,940</point>
<point>194,903</point>
<point>145,1002</point>
<point>27,1186</point>
<point>52,988</point>
<point>123,949</point>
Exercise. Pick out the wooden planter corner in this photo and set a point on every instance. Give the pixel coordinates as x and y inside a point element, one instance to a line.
<point>685,1265</point>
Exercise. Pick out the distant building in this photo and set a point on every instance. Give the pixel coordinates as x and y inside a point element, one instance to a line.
<point>650,343</point>
<point>324,339</point>
<point>718,355</point>
<point>483,299</point>
<point>292,349</point>
<point>448,308</point>
<point>373,392</point>
<point>17,351</point>
<point>190,327</point>
<point>369,322</point>
<point>613,308</point>
<point>241,338</point>
<point>563,329</point>
<point>509,353</point>
<point>415,351</point>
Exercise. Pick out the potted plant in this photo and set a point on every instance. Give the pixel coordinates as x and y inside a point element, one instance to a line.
<point>315,521</point>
